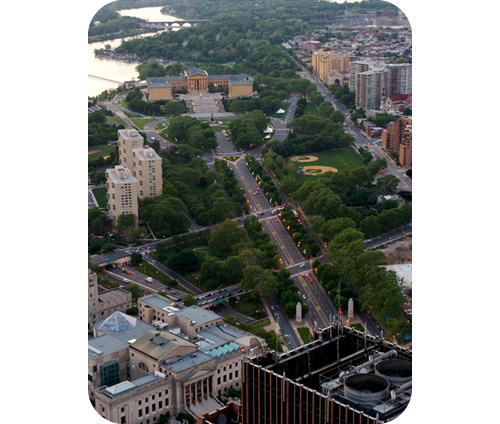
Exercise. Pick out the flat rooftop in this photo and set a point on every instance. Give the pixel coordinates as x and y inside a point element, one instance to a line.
<point>326,365</point>
<point>199,315</point>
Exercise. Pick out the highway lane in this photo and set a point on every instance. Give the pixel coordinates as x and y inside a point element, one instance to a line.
<point>224,144</point>
<point>257,200</point>
<point>321,309</point>
<point>284,324</point>
<point>133,276</point>
<point>282,240</point>
<point>182,281</point>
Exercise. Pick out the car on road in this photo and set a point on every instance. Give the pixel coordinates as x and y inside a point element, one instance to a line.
<point>304,296</point>
<point>302,265</point>
<point>126,271</point>
<point>126,280</point>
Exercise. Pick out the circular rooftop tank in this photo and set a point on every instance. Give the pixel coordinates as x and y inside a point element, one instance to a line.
<point>366,389</point>
<point>396,371</point>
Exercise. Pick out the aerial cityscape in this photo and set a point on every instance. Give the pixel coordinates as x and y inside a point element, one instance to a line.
<point>249,212</point>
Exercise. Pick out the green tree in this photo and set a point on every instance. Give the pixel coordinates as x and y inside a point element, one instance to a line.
<point>261,281</point>
<point>388,184</point>
<point>224,237</point>
<point>135,290</point>
<point>189,300</point>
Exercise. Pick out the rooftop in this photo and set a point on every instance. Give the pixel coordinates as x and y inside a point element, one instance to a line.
<point>128,386</point>
<point>156,301</point>
<point>160,344</point>
<point>189,361</point>
<point>123,327</point>
<point>121,175</point>
<point>197,315</point>
<point>104,345</point>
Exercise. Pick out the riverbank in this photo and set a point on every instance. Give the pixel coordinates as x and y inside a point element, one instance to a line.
<point>123,34</point>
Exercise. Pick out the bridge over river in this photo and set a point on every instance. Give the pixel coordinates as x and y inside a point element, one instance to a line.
<point>169,24</point>
<point>106,79</point>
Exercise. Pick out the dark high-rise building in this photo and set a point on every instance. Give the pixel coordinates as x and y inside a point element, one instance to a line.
<point>343,377</point>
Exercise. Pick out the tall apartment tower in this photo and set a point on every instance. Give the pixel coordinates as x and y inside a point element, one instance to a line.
<point>324,62</point>
<point>355,69</point>
<point>399,79</point>
<point>398,138</point>
<point>370,88</point>
<point>128,139</point>
<point>122,193</point>
<point>405,147</point>
<point>146,169</point>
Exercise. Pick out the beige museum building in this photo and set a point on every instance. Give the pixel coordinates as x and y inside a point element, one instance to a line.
<point>197,80</point>
<point>180,362</point>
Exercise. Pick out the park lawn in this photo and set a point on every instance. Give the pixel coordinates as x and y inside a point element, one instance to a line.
<point>305,334</point>
<point>141,122</point>
<point>311,109</point>
<point>341,159</point>
<point>95,152</point>
<point>118,120</point>
<point>100,195</point>
<point>248,305</point>
<point>358,327</point>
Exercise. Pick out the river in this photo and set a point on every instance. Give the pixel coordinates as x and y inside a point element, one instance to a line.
<point>122,71</point>
<point>115,70</point>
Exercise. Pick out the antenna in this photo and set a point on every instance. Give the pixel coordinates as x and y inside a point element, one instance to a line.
<point>338,324</point>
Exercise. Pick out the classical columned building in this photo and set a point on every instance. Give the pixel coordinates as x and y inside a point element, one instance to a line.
<point>197,80</point>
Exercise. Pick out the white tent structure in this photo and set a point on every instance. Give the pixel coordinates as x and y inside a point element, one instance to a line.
<point>268,130</point>
<point>280,111</point>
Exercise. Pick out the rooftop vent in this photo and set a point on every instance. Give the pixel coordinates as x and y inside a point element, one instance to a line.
<point>366,389</point>
<point>396,371</point>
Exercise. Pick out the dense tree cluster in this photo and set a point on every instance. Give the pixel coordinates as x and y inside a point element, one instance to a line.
<point>232,187</point>
<point>137,104</point>
<point>241,254</point>
<point>333,202</point>
<point>193,132</point>
<point>377,287</point>
<point>99,131</point>
<point>247,131</point>
<point>343,95</point>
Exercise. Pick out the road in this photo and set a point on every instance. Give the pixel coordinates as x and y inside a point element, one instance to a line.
<point>291,339</point>
<point>182,281</point>
<point>319,304</point>
<point>132,276</point>
<point>389,237</point>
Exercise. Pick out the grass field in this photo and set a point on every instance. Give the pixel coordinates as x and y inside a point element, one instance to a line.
<point>311,110</point>
<point>342,160</point>
<point>100,195</point>
<point>140,122</point>
<point>305,334</point>
<point>358,327</point>
<point>118,121</point>
<point>102,150</point>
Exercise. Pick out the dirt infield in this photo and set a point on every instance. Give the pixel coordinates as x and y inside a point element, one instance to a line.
<point>304,158</point>
<point>317,170</point>
<point>93,151</point>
